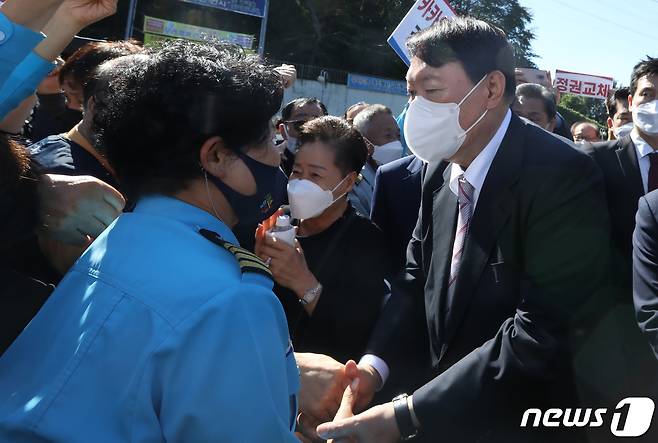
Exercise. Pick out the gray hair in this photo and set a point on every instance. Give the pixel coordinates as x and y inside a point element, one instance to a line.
<point>365,117</point>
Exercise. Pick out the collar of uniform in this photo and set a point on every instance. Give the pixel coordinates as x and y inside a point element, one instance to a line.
<point>76,136</point>
<point>479,167</point>
<point>173,208</point>
<point>641,146</point>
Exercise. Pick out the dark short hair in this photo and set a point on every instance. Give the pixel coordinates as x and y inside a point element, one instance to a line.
<point>349,147</point>
<point>289,108</point>
<point>539,92</point>
<point>82,63</point>
<point>645,67</point>
<point>620,94</point>
<point>162,105</point>
<point>481,48</point>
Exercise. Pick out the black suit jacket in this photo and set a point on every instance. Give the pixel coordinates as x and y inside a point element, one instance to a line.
<point>645,268</point>
<point>396,201</point>
<point>535,255</point>
<point>618,162</point>
<point>637,367</point>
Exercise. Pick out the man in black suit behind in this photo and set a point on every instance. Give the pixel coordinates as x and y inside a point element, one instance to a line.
<point>630,170</point>
<point>645,268</point>
<point>499,291</point>
<point>395,202</point>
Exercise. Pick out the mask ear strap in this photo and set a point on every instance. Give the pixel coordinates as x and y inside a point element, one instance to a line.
<point>476,122</point>
<point>473,89</point>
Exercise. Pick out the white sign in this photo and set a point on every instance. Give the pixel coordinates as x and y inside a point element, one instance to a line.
<point>594,86</point>
<point>423,14</point>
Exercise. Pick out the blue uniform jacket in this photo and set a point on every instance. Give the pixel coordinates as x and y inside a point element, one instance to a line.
<point>154,335</point>
<point>21,70</point>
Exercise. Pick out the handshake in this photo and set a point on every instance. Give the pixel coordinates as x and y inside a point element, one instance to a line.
<point>333,391</point>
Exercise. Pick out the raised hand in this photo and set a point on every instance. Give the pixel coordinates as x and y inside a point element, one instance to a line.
<point>86,12</point>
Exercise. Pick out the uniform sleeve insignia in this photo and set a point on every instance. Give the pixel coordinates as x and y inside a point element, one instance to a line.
<point>248,261</point>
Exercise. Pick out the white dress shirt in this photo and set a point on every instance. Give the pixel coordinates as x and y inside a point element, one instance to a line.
<point>643,149</point>
<point>475,174</point>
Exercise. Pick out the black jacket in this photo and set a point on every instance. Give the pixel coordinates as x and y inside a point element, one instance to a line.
<point>396,201</point>
<point>645,268</point>
<point>534,258</point>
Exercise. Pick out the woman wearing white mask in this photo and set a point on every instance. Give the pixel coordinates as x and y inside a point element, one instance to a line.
<point>331,282</point>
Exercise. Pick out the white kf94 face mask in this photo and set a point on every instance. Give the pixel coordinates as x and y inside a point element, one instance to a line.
<point>307,199</point>
<point>387,153</point>
<point>645,117</point>
<point>432,130</point>
<point>623,131</point>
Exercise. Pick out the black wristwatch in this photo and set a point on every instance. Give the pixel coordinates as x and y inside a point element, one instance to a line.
<point>403,418</point>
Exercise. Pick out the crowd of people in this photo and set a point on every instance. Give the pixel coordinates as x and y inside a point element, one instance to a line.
<point>453,264</point>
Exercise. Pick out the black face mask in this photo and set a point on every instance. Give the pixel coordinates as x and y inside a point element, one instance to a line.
<point>270,193</point>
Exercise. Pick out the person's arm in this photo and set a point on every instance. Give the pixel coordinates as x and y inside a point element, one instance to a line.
<point>227,372</point>
<point>402,323</point>
<point>71,17</point>
<point>645,273</point>
<point>32,14</point>
<point>74,210</point>
<point>16,43</point>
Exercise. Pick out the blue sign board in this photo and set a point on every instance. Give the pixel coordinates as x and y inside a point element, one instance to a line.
<point>249,7</point>
<point>376,84</point>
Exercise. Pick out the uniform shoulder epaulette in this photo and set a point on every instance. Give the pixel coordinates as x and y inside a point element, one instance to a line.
<point>248,261</point>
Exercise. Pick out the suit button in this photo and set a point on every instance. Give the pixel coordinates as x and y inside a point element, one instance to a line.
<point>2,36</point>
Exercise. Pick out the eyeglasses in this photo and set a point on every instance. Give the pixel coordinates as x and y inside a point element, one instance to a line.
<point>296,124</point>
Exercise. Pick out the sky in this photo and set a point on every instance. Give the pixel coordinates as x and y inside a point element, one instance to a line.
<point>604,37</point>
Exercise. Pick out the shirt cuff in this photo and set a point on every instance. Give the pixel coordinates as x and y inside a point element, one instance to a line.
<point>23,81</point>
<point>378,364</point>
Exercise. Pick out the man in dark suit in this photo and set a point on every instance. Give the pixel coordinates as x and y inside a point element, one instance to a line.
<point>630,170</point>
<point>645,268</point>
<point>510,247</point>
<point>395,202</point>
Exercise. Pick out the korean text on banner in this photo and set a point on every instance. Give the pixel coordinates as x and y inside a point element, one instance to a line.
<point>249,7</point>
<point>423,14</point>
<point>173,29</point>
<point>586,85</point>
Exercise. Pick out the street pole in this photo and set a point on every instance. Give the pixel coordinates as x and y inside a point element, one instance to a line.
<point>263,29</point>
<point>132,10</point>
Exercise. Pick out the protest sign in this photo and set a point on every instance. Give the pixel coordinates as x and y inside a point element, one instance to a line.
<point>423,14</point>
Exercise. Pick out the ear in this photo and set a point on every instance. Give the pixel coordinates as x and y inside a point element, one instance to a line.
<point>282,130</point>
<point>630,101</point>
<point>495,85</point>
<point>609,122</point>
<point>214,155</point>
<point>350,181</point>
<point>90,105</point>
<point>551,124</point>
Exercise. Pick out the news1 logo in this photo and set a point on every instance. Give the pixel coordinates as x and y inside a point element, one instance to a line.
<point>631,418</point>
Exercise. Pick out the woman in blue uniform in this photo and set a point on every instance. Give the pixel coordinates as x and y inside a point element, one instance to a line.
<point>165,330</point>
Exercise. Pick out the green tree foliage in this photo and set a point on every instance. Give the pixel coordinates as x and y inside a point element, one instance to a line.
<point>591,108</point>
<point>508,15</point>
<point>351,35</point>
